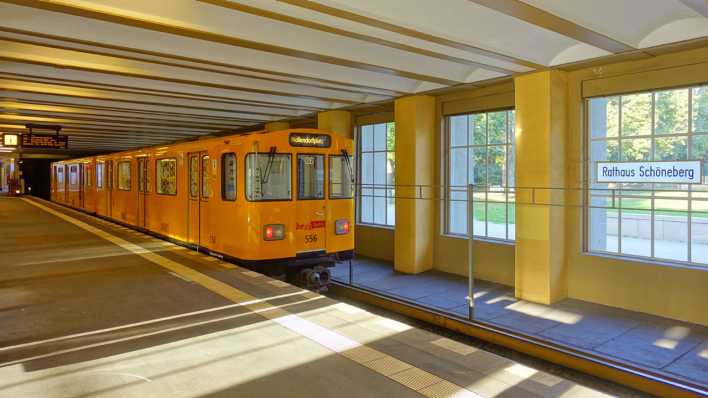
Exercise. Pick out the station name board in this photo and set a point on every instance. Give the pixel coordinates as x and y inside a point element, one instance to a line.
<point>50,141</point>
<point>314,140</point>
<point>672,172</point>
<point>10,140</point>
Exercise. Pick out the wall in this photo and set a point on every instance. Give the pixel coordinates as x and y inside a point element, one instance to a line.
<point>669,291</point>
<point>374,242</point>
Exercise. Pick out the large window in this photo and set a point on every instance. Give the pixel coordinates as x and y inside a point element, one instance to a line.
<point>480,151</point>
<point>310,176</point>
<point>99,175</point>
<point>166,171</point>
<point>124,176</point>
<point>60,177</point>
<point>268,176</point>
<point>655,221</point>
<point>377,174</point>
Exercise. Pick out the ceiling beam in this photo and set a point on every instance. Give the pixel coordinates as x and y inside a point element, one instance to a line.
<point>114,16</point>
<point>536,16</point>
<point>366,20</point>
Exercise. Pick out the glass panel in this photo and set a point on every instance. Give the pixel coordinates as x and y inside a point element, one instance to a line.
<point>670,148</point>
<point>458,167</point>
<point>496,214</point>
<point>310,176</point>
<point>167,176</point>
<point>367,169</point>
<point>391,207</point>
<point>228,176</point>
<point>496,167</point>
<point>380,206</point>
<point>497,127</point>
<point>478,129</point>
<point>141,175</point>
<point>604,117</point>
<point>636,149</point>
<point>636,224</point>
<point>604,222</point>
<point>458,130</point>
<point>341,184</point>
<point>380,137</point>
<point>512,126</point>
<point>478,166</point>
<point>603,150</point>
<point>193,176</point>
<point>700,109</point>
<point>671,229</point>
<point>380,166</point>
<point>391,136</point>
<point>99,175</point>
<point>699,150</point>
<point>636,114</point>
<point>367,138</point>
<point>671,112</point>
<point>367,209</point>
<point>480,215</point>
<point>124,176</point>
<point>268,176</point>
<point>206,181</point>
<point>699,228</point>
<point>458,217</point>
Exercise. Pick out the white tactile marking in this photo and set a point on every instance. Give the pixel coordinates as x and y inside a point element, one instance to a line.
<point>193,253</point>
<point>546,379</point>
<point>252,274</point>
<point>454,346</point>
<point>227,265</point>
<point>278,283</point>
<point>325,337</point>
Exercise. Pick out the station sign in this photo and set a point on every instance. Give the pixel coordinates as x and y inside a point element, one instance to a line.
<point>45,141</point>
<point>310,140</point>
<point>662,172</point>
<point>10,140</point>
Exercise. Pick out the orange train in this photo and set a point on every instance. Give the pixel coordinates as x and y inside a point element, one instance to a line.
<point>280,202</point>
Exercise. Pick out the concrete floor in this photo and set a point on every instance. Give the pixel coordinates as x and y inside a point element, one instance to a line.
<point>678,349</point>
<point>90,309</point>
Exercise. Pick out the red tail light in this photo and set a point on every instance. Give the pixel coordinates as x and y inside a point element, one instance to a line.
<point>269,232</point>
<point>341,227</point>
<point>273,232</point>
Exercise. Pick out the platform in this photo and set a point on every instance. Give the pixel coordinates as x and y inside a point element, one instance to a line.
<point>674,348</point>
<point>91,308</point>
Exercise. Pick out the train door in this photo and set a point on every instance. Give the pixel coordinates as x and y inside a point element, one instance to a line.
<point>207,167</point>
<point>195,179</point>
<point>310,204</point>
<point>109,188</point>
<point>142,191</point>
<point>66,183</point>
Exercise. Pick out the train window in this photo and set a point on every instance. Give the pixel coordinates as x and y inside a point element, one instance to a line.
<point>228,176</point>
<point>143,176</point>
<point>310,176</point>
<point>60,178</point>
<point>268,176</point>
<point>341,178</point>
<point>73,175</point>
<point>88,180</point>
<point>99,175</point>
<point>206,181</point>
<point>124,176</point>
<point>193,176</point>
<point>167,176</point>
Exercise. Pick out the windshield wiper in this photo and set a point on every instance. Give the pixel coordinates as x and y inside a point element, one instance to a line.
<point>347,160</point>
<point>269,165</point>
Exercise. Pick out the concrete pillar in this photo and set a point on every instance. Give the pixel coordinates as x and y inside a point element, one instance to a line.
<point>339,122</point>
<point>276,126</point>
<point>540,269</point>
<point>415,165</point>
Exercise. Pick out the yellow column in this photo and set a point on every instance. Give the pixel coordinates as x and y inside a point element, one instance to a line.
<point>276,126</point>
<point>339,122</point>
<point>415,165</point>
<point>540,269</point>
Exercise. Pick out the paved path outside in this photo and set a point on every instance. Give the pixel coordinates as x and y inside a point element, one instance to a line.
<point>92,309</point>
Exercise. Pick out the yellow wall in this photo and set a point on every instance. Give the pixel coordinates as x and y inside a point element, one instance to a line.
<point>374,242</point>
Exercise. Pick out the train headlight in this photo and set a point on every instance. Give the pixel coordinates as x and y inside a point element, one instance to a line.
<point>341,227</point>
<point>274,232</point>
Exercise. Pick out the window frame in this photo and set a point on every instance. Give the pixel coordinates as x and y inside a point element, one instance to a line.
<point>245,179</point>
<point>588,162</point>
<point>130,175</point>
<point>357,195</point>
<point>99,175</point>
<point>157,177</point>
<point>205,178</point>
<point>223,176</point>
<point>508,191</point>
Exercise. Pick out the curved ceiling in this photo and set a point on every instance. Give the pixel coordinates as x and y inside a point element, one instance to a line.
<point>120,74</point>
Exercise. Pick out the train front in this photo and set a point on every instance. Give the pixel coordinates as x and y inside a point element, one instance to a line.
<point>306,230</point>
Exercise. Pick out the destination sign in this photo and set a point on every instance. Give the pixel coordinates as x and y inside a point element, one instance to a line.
<point>51,141</point>
<point>315,140</point>
<point>10,139</point>
<point>672,172</point>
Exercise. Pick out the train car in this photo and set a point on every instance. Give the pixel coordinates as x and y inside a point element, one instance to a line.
<point>279,202</point>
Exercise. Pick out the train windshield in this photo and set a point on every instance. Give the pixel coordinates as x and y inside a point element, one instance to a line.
<point>341,179</point>
<point>268,176</point>
<point>310,176</point>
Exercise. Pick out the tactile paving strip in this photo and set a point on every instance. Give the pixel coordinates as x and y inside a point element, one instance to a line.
<point>415,378</point>
<point>445,389</point>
